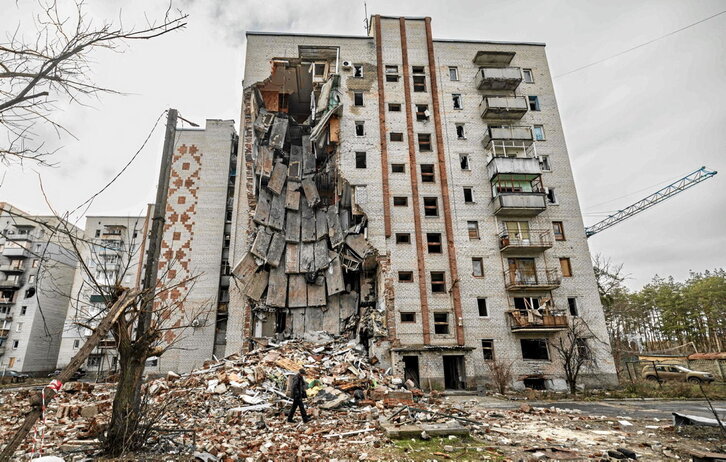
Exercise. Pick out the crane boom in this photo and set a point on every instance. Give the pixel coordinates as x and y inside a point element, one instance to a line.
<point>671,190</point>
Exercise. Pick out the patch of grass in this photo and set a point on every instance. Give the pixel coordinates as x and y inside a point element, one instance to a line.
<point>464,448</point>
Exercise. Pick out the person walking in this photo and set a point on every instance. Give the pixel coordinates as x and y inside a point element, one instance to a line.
<point>298,395</point>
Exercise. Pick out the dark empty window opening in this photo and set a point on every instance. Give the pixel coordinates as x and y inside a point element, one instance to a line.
<point>422,112</point>
<point>424,142</point>
<point>392,74</point>
<point>481,304</point>
<point>441,323</point>
<point>394,107</point>
<point>280,322</point>
<point>431,206</point>
<point>551,197</point>
<point>433,241</point>
<point>534,348</point>
<point>487,348</point>
<point>360,128</point>
<point>360,160</point>
<point>427,173</point>
<point>400,201</point>
<point>460,131</point>
<point>419,83</point>
<point>405,276</point>
<point>319,70</point>
<point>456,100</point>
<point>533,103</point>
<point>438,282</point>
<point>358,70</point>
<point>283,101</point>
<point>526,303</point>
<point>464,161</point>
<point>572,304</point>
<point>396,136</point>
<point>403,238</point>
<point>583,348</point>
<point>534,383</point>
<point>398,168</point>
<point>408,317</point>
<point>468,195</point>
<point>418,70</point>
<point>358,98</point>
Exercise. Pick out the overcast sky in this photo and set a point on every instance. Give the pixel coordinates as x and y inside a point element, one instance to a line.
<point>632,122</point>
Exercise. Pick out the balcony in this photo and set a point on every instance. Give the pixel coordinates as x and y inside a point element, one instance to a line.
<point>525,242</point>
<point>532,279</point>
<point>7,317</point>
<point>536,320</point>
<point>4,333</point>
<point>507,135</point>
<point>501,78</point>
<point>493,58</point>
<point>12,269</point>
<point>513,167</point>
<point>503,107</point>
<point>16,252</point>
<point>520,204</point>
<point>11,284</point>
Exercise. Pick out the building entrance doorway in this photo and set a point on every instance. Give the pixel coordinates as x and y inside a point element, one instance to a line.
<point>454,372</point>
<point>410,369</point>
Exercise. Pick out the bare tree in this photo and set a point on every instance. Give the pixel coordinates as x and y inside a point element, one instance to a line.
<point>53,66</point>
<point>575,350</point>
<point>500,373</point>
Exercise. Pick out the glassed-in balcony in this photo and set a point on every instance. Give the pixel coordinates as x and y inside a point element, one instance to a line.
<point>518,194</point>
<point>503,107</point>
<point>498,78</point>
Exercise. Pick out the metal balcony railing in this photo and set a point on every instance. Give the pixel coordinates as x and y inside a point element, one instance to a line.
<point>532,239</point>
<point>537,320</point>
<point>522,279</point>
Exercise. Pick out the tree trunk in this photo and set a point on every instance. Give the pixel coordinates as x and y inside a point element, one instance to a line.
<point>127,401</point>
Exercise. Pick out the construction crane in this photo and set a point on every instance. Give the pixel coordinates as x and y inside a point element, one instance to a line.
<point>688,181</point>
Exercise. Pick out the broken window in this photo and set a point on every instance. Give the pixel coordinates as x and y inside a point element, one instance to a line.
<point>433,241</point>
<point>400,201</point>
<point>526,303</point>
<point>487,348</point>
<point>391,73</point>
<point>431,206</point>
<point>472,228</point>
<point>460,131</point>
<point>477,267</point>
<point>394,107</point>
<point>534,383</point>
<point>419,79</point>
<point>360,160</point>
<point>544,163</point>
<point>408,317</point>
<point>405,276</point>
<point>583,348</point>
<point>358,98</point>
<point>481,304</point>
<point>464,161</point>
<point>358,70</point>
<point>456,99</point>
<point>572,305</point>
<point>438,282</point>
<point>453,73</point>
<point>441,323</point>
<point>559,230</point>
<point>534,348</point>
<point>94,360</point>
<point>566,267</point>
<point>422,112</point>
<point>468,195</point>
<point>403,238</point>
<point>396,136</point>
<point>539,134</point>
<point>427,173</point>
<point>533,103</point>
<point>360,128</point>
<point>398,168</point>
<point>551,197</point>
<point>424,142</point>
<point>528,76</point>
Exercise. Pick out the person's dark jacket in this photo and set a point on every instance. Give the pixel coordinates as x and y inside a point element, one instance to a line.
<point>298,387</point>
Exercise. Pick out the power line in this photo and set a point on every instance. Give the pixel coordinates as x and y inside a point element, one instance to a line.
<point>638,46</point>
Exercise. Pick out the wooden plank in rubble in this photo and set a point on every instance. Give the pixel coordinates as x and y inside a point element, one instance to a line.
<point>258,285</point>
<point>277,211</point>
<point>322,259</point>
<point>334,230</point>
<point>246,267</point>
<point>265,161</point>
<point>321,223</point>
<point>358,243</point>
<point>316,292</point>
<point>277,287</point>
<point>262,210</point>
<point>288,364</point>
<point>261,243</point>
<point>277,247</point>
<point>308,155</point>
<point>292,226</point>
<point>297,291</point>
<point>311,192</point>
<point>307,257</point>
<point>308,231</point>
<point>292,198</point>
<point>277,179</point>
<point>294,171</point>
<point>278,133</point>
<point>334,275</point>
<point>292,258</point>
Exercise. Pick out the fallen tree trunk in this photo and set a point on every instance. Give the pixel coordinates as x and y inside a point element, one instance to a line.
<point>124,300</point>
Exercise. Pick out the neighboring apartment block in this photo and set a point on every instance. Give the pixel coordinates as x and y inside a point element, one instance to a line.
<point>415,194</point>
<point>36,272</point>
<point>112,253</point>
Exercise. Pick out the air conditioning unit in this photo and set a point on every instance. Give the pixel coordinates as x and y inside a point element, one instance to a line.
<point>347,65</point>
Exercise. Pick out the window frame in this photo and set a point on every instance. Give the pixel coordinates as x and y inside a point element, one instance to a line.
<point>408,313</point>
<point>561,226</point>
<point>533,102</point>
<point>431,242</point>
<point>400,240</point>
<point>357,71</point>
<point>357,94</point>
<point>470,191</point>
<point>402,203</point>
<point>391,134</point>
<point>421,113</point>
<point>479,301</point>
<point>403,277</point>
<point>440,323</point>
<point>358,158</point>
<point>457,97</point>
<point>395,166</point>
<point>463,130</point>
<point>394,107</point>
<point>573,307</point>
<point>454,77</point>
<point>469,230</point>
<point>530,72</point>
<point>438,286</point>
<point>422,144</point>
<point>428,173</point>
<point>544,163</point>
<point>541,340</point>
<point>362,124</point>
<point>489,348</point>
<point>466,156</point>
<point>434,206</point>
<point>391,72</point>
<point>477,262</point>
<point>543,136</point>
<point>566,263</point>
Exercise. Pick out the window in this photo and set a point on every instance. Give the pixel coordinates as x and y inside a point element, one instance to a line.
<point>583,349</point>
<point>534,348</point>
<point>360,160</point>
<point>456,99</point>
<point>358,98</point>
<point>473,228</point>
<point>23,310</point>
<point>539,134</point>
<point>396,136</point>
<point>559,230</point>
<point>431,206</point>
<point>152,362</point>
<point>419,79</point>
<point>468,195</point>
<point>394,107</point>
<point>19,327</point>
<point>76,344</point>
<point>481,304</point>
<point>441,323</point>
<point>477,267</point>
<point>424,142</point>
<point>400,201</point>
<point>319,70</point>
<point>544,163</point>
<point>408,317</point>
<point>35,263</point>
<point>464,161</point>
<point>403,238</point>
<point>533,103</point>
<point>566,267</point>
<point>551,197</point>
<point>391,73</point>
<point>405,276</point>
<point>528,76</point>
<point>427,173</point>
<point>460,132</point>
<point>358,71</point>
<point>98,233</point>
<point>453,73</point>
<point>31,279</point>
<point>487,348</point>
<point>433,241</point>
<point>360,129</point>
<point>572,305</point>
<point>398,168</point>
<point>438,282</point>
<point>16,343</point>
<point>422,112</point>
